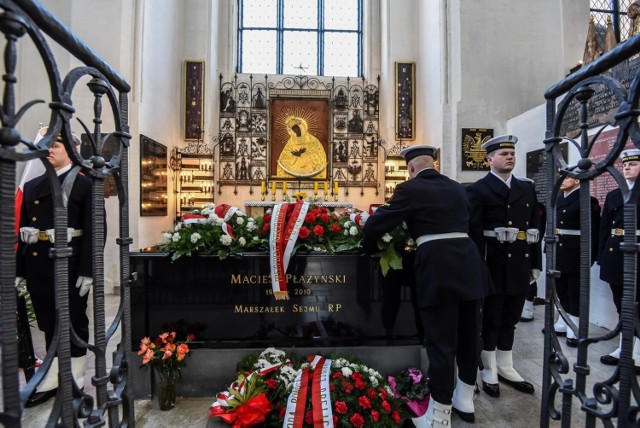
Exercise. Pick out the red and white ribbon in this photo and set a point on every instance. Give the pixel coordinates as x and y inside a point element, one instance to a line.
<point>283,235</point>
<point>225,212</point>
<point>193,218</point>
<point>313,379</point>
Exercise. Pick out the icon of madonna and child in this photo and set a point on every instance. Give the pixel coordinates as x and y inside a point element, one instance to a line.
<point>303,155</point>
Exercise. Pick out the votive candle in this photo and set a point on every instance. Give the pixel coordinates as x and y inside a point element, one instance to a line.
<point>284,187</point>
<point>263,187</point>
<point>273,187</point>
<point>326,187</point>
<point>315,188</point>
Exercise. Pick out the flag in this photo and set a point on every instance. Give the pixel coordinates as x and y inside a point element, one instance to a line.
<point>33,168</point>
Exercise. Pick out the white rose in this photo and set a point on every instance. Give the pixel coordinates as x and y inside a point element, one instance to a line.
<point>206,211</point>
<point>178,226</point>
<point>353,231</point>
<point>225,240</point>
<point>219,221</point>
<point>387,238</point>
<point>175,237</point>
<point>167,237</point>
<point>251,227</point>
<point>242,241</point>
<point>195,237</point>
<point>255,238</point>
<point>346,372</point>
<point>240,220</point>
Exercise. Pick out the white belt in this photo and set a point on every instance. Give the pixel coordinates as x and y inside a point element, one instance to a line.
<point>31,235</point>
<point>620,232</point>
<point>575,232</point>
<point>451,235</point>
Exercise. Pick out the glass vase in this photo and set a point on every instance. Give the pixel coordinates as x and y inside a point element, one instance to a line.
<point>166,389</point>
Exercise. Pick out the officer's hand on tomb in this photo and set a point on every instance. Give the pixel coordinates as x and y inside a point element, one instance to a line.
<point>535,273</point>
<point>84,283</point>
<point>21,285</point>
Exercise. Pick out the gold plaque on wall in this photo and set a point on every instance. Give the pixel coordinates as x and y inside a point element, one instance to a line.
<point>474,158</point>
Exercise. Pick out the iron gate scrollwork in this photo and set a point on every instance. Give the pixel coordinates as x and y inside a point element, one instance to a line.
<point>26,21</point>
<point>574,106</point>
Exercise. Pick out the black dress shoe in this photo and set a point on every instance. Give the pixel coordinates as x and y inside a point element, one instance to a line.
<point>38,398</point>
<point>572,343</point>
<point>523,319</point>
<point>522,386</point>
<point>468,417</point>
<point>609,360</point>
<point>558,333</point>
<point>492,389</point>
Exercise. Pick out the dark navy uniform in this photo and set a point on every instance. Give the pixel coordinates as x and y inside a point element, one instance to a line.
<point>568,247</point>
<point>35,265</point>
<point>494,205</point>
<point>610,258</point>
<point>449,273</point>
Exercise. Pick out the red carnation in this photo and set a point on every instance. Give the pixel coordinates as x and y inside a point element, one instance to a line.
<point>304,233</point>
<point>283,410</point>
<point>324,217</point>
<point>356,420</point>
<point>383,393</point>
<point>335,421</point>
<point>335,228</point>
<point>271,383</point>
<point>337,375</point>
<point>359,384</point>
<point>267,218</point>
<point>318,230</point>
<point>347,387</point>
<point>386,406</point>
<point>396,416</point>
<point>265,227</point>
<point>310,218</point>
<point>375,415</point>
<point>341,407</point>
<point>324,210</point>
<point>364,402</point>
<point>356,375</point>
<point>372,393</point>
<point>332,387</point>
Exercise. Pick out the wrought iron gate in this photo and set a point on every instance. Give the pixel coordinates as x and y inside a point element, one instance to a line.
<point>574,105</point>
<point>26,21</point>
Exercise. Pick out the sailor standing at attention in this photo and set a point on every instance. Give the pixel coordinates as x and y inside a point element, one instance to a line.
<point>506,229</point>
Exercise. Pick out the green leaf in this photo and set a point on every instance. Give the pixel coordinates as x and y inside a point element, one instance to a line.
<point>390,258</point>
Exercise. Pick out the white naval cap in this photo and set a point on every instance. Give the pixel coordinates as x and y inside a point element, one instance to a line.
<point>500,142</point>
<point>630,155</point>
<point>418,150</point>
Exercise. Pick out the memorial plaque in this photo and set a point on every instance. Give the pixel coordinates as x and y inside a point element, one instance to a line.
<point>537,173</point>
<point>334,300</point>
<point>474,158</point>
<point>605,183</point>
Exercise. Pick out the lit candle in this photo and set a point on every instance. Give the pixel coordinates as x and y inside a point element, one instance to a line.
<point>315,187</point>
<point>284,187</point>
<point>273,187</point>
<point>263,187</point>
<point>326,187</point>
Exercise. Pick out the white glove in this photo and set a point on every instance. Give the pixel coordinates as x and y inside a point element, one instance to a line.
<point>535,273</point>
<point>21,285</point>
<point>84,283</point>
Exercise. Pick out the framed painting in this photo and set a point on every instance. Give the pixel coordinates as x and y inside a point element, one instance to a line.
<point>405,105</point>
<point>193,100</point>
<point>299,133</point>
<point>153,177</point>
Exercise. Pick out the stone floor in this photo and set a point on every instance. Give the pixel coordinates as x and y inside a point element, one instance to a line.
<point>512,409</point>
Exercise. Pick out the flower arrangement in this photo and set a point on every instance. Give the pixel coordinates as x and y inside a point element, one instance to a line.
<point>227,232</point>
<point>390,246</point>
<point>259,394</point>
<point>163,353</point>
<point>206,231</point>
<point>412,387</point>
<point>275,393</point>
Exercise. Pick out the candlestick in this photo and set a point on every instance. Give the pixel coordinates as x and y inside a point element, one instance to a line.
<point>284,187</point>
<point>315,188</point>
<point>326,188</point>
<point>263,187</point>
<point>335,190</point>
<point>273,187</point>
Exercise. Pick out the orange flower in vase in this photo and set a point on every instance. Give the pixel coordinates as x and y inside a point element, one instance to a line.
<point>167,358</point>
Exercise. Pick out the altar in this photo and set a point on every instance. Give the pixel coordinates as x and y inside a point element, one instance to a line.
<point>249,205</point>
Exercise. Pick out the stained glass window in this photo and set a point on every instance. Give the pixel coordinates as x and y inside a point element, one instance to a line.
<point>322,37</point>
